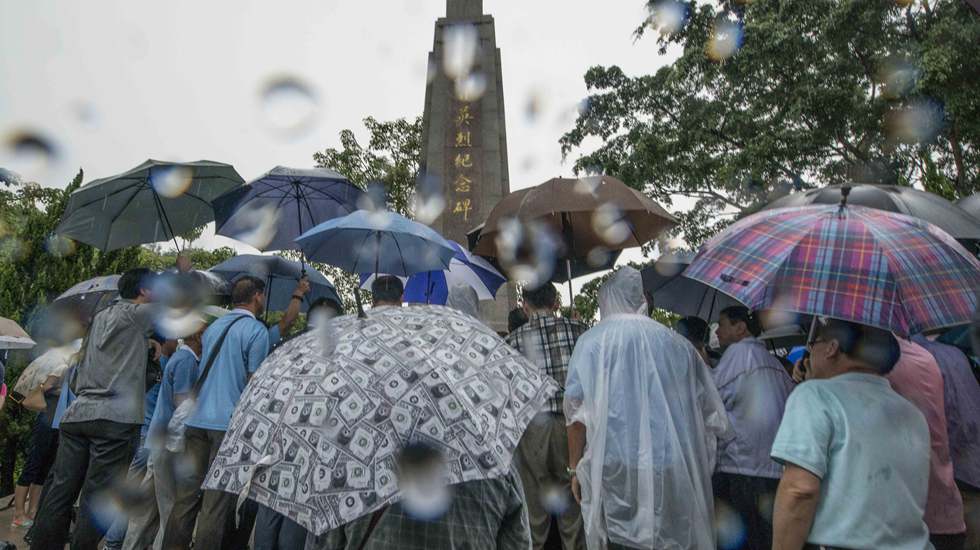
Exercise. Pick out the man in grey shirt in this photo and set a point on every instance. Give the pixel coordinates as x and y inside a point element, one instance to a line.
<point>101,428</point>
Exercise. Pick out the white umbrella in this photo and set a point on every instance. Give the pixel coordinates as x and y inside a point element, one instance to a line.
<point>14,337</point>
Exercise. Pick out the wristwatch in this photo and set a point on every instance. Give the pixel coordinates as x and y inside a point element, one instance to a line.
<point>571,472</point>
<point>297,297</point>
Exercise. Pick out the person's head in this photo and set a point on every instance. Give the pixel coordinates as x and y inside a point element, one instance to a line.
<point>695,329</point>
<point>248,292</point>
<point>463,298</point>
<point>838,347</point>
<point>387,290</point>
<point>543,299</point>
<point>516,319</point>
<point>136,285</point>
<point>736,323</point>
<point>622,293</point>
<point>322,310</point>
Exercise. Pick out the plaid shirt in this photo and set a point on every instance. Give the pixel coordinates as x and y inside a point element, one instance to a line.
<point>548,341</point>
<point>486,514</point>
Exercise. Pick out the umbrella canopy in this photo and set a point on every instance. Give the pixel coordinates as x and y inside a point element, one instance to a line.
<point>14,337</point>
<point>156,201</point>
<point>852,263</point>
<point>317,435</point>
<point>89,297</point>
<point>971,205</point>
<point>672,291</point>
<point>598,212</point>
<point>895,198</point>
<point>53,362</point>
<point>377,242</point>
<point>432,287</point>
<point>280,276</point>
<point>304,197</point>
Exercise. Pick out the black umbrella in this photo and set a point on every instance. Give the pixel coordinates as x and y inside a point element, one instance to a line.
<point>895,198</point>
<point>672,291</point>
<point>156,201</point>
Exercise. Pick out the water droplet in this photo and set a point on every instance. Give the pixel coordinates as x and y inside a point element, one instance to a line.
<point>920,121</point>
<point>555,498</point>
<point>12,249</point>
<point>428,202</point>
<point>528,163</point>
<point>471,88</point>
<point>29,153</point>
<point>256,226</point>
<point>527,251</point>
<point>668,16</point>
<point>60,246</point>
<point>533,106</point>
<point>431,70</point>
<point>171,181</point>
<point>289,106</point>
<point>729,526</point>
<point>587,186</point>
<point>898,77</point>
<point>86,113</point>
<point>584,106</point>
<point>461,42</point>
<point>599,256</point>
<point>726,39</point>
<point>422,476</point>
<point>610,224</point>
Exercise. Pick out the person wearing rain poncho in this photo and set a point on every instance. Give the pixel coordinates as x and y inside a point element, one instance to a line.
<point>643,416</point>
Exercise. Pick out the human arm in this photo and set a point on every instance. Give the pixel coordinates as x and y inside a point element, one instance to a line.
<point>795,508</point>
<point>183,263</point>
<point>576,447</point>
<point>292,312</point>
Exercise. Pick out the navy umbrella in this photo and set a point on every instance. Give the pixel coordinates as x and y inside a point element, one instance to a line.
<point>301,197</point>
<point>156,201</point>
<point>672,291</point>
<point>280,276</point>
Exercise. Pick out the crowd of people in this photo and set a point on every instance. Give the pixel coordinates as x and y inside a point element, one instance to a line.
<point>654,439</point>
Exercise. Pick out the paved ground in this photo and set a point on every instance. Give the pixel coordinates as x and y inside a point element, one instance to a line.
<point>6,532</point>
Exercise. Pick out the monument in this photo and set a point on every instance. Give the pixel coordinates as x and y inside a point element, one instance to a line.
<point>463,135</point>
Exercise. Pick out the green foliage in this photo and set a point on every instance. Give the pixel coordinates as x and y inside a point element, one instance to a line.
<point>810,98</point>
<point>392,157</point>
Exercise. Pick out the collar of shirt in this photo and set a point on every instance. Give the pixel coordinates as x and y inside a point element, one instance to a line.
<point>188,348</point>
<point>245,311</point>
<point>540,314</point>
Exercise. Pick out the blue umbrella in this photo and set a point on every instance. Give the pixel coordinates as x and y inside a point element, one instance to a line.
<point>432,287</point>
<point>302,197</point>
<point>280,276</point>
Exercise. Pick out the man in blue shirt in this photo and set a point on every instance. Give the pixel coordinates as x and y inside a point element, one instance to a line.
<point>245,346</point>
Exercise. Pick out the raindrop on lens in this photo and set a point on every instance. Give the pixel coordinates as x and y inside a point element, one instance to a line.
<point>289,106</point>
<point>258,225</point>
<point>171,181</point>
<point>555,499</point>
<point>668,16</point>
<point>422,482</point>
<point>609,223</point>
<point>460,46</point>
<point>30,153</point>
<point>60,246</point>
<point>918,122</point>
<point>729,527</point>
<point>898,78</point>
<point>598,256</point>
<point>533,107</point>
<point>726,39</point>
<point>471,88</point>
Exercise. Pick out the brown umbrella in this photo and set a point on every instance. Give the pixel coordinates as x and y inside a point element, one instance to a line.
<point>586,214</point>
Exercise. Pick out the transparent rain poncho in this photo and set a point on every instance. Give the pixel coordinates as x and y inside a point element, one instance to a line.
<point>463,298</point>
<point>652,416</point>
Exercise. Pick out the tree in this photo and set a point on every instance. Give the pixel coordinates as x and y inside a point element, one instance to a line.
<point>819,92</point>
<point>392,157</point>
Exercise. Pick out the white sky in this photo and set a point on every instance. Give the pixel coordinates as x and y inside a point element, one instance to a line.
<point>111,83</point>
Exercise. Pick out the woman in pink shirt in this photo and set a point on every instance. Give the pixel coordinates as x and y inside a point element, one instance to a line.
<point>918,379</point>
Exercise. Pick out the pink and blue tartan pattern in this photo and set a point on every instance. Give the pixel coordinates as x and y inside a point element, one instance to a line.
<point>863,265</point>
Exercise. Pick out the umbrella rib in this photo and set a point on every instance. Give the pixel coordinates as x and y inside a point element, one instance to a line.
<point>113,219</point>
<point>401,255</point>
<point>367,235</point>
<point>306,204</point>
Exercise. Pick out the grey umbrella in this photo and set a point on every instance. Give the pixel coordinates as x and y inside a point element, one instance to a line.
<point>895,198</point>
<point>156,201</point>
<point>672,291</point>
<point>971,204</point>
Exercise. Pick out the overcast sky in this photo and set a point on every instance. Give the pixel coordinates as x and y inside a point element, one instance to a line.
<point>110,83</point>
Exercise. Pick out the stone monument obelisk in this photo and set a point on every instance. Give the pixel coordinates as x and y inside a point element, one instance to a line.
<point>464,134</point>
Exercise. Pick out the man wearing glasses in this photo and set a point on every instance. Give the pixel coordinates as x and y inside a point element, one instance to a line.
<point>855,453</point>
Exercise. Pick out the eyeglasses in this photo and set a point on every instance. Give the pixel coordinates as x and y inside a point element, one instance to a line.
<point>814,342</point>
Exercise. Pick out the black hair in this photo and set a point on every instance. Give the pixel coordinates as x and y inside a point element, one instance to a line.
<point>516,319</point>
<point>742,314</point>
<point>695,329</point>
<point>387,288</point>
<point>872,346</point>
<point>323,301</point>
<point>133,281</point>
<point>542,297</point>
<point>245,288</point>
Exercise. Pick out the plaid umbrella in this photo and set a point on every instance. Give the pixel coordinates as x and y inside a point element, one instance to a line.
<point>316,435</point>
<point>847,262</point>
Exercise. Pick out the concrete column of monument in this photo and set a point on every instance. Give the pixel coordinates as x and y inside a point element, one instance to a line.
<point>464,135</point>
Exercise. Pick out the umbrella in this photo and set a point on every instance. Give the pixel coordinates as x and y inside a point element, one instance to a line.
<point>89,297</point>
<point>598,213</point>
<point>852,263</point>
<point>672,291</point>
<point>14,337</point>
<point>317,435</point>
<point>304,198</point>
<point>930,207</point>
<point>156,201</point>
<point>971,205</point>
<point>53,362</point>
<point>432,287</point>
<point>280,276</point>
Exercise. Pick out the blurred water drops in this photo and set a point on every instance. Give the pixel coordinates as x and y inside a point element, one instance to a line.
<point>461,42</point>
<point>431,70</point>
<point>584,106</point>
<point>422,482</point>
<point>919,121</point>
<point>12,248</point>
<point>587,186</point>
<point>668,16</point>
<point>259,225</point>
<point>555,498</point>
<point>898,77</point>
<point>533,106</point>
<point>471,88</point>
<point>171,181</point>
<point>374,200</point>
<point>173,323</point>
<point>30,153</point>
<point>528,163</point>
<point>527,251</point>
<point>729,527</point>
<point>60,246</point>
<point>10,177</point>
<point>726,39</point>
<point>86,113</point>
<point>598,256</point>
<point>610,224</point>
<point>289,106</point>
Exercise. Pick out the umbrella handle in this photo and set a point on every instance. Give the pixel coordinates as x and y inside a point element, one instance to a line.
<point>571,295</point>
